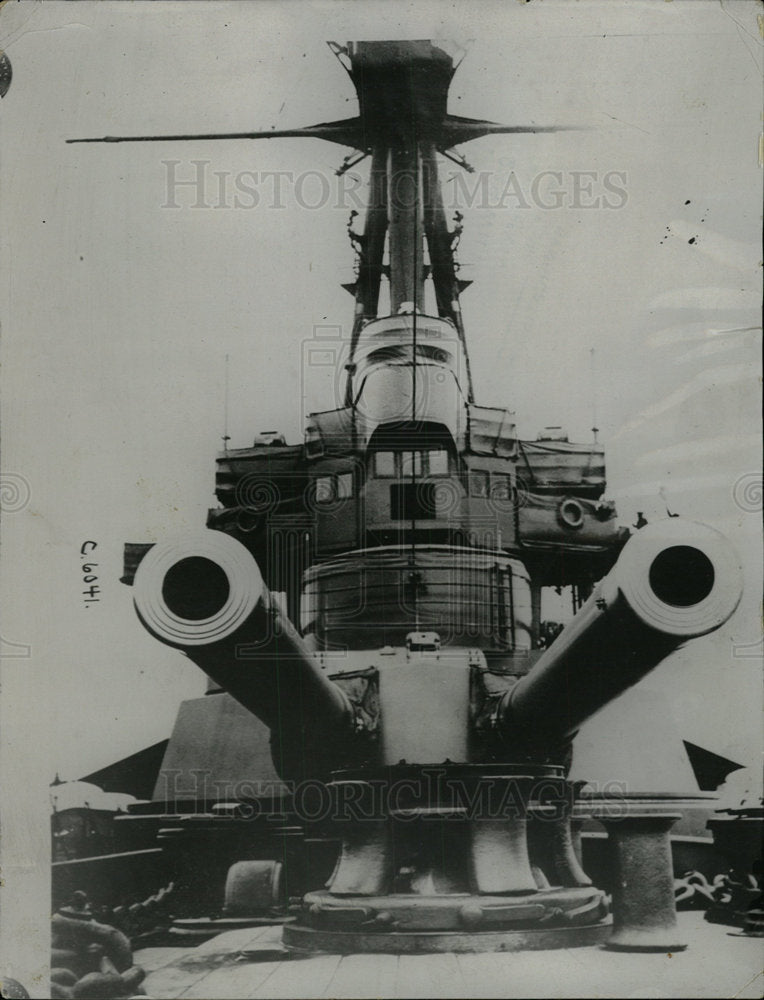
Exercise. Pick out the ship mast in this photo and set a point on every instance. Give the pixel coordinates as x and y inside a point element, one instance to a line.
<point>403,123</point>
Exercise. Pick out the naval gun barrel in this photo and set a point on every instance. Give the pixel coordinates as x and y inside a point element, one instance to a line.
<point>204,594</point>
<point>675,580</point>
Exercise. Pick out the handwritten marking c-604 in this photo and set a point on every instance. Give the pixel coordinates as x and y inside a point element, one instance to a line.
<point>89,574</point>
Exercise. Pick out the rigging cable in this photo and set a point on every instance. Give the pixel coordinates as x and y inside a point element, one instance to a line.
<point>415,218</point>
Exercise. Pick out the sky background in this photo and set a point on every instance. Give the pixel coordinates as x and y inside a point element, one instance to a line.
<point>118,312</point>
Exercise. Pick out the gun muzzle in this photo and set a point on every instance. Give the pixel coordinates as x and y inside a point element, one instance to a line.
<point>204,594</point>
<point>675,580</point>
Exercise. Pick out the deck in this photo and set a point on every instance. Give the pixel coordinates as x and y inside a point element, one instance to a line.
<point>719,962</point>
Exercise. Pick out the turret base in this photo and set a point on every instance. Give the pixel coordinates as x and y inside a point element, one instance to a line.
<point>465,922</point>
<point>309,940</point>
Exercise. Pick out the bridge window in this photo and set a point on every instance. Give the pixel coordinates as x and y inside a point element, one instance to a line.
<point>344,485</point>
<point>384,464</point>
<point>478,483</point>
<point>411,464</point>
<point>404,464</point>
<point>329,488</point>
<point>324,489</point>
<point>501,486</point>
<point>437,462</point>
